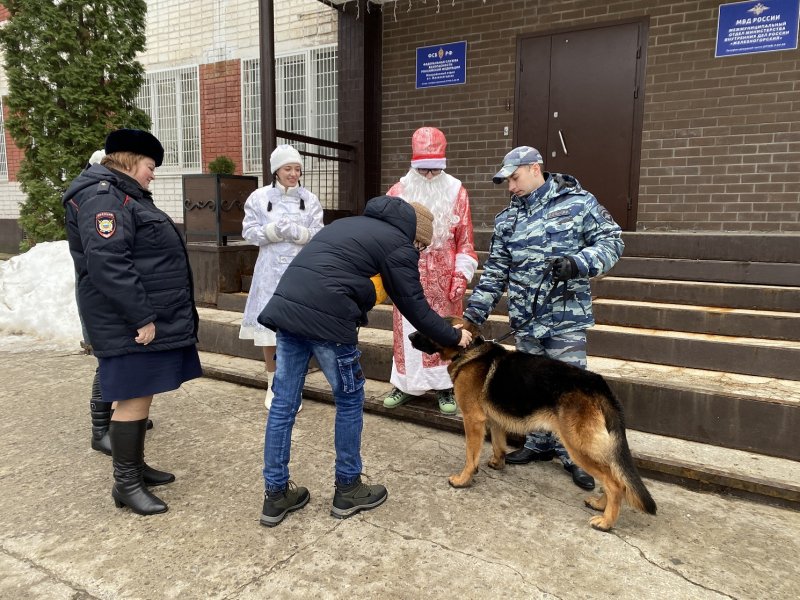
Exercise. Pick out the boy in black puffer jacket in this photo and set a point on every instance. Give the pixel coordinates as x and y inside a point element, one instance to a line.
<point>321,301</point>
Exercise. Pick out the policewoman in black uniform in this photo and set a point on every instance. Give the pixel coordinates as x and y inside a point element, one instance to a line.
<point>136,299</point>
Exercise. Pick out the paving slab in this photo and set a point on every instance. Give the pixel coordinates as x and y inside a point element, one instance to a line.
<point>518,533</point>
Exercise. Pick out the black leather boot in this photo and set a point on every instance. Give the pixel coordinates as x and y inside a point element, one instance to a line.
<point>154,477</point>
<point>127,453</point>
<point>101,416</point>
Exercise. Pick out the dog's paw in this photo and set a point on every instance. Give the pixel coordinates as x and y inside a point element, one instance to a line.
<point>596,502</point>
<point>457,481</point>
<point>498,464</point>
<point>600,523</point>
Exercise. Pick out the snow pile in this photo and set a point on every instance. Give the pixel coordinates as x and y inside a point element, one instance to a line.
<point>37,299</point>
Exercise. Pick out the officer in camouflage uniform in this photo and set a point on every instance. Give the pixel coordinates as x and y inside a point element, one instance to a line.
<point>557,235</point>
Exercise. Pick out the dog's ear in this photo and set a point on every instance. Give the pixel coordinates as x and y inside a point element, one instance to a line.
<point>466,324</point>
<point>472,328</point>
<point>423,343</point>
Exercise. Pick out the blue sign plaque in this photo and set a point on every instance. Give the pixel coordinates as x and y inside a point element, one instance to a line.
<point>443,64</point>
<point>752,27</point>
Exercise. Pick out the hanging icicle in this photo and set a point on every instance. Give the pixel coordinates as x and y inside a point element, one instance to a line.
<point>394,6</point>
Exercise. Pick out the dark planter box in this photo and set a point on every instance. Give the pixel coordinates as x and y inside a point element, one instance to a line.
<point>218,269</point>
<point>213,206</point>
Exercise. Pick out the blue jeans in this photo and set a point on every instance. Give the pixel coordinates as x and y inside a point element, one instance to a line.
<point>339,363</point>
<point>571,349</point>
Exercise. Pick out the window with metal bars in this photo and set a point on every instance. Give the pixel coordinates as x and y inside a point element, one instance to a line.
<point>305,100</point>
<point>172,99</point>
<point>3,158</point>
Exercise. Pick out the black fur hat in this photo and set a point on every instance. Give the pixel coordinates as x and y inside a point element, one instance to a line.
<point>136,141</point>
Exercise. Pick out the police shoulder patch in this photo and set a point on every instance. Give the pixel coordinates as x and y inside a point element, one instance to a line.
<point>106,224</point>
<point>606,215</point>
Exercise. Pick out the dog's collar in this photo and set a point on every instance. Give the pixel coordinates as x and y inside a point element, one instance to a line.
<point>477,348</point>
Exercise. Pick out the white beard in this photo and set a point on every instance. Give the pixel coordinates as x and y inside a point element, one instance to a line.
<point>435,195</point>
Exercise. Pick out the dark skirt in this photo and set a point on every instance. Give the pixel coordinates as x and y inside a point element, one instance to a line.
<point>147,373</point>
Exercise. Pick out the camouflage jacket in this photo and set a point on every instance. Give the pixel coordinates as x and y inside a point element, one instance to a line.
<point>558,219</point>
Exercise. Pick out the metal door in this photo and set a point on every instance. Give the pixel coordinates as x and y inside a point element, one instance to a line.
<point>579,103</point>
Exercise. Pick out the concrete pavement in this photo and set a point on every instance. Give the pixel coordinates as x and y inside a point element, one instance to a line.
<point>520,533</point>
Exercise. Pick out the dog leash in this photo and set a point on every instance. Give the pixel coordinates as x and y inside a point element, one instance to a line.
<point>548,271</point>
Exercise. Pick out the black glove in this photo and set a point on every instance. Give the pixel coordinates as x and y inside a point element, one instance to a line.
<point>564,268</point>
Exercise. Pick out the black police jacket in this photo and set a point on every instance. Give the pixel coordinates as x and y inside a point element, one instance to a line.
<point>325,292</point>
<point>131,265</point>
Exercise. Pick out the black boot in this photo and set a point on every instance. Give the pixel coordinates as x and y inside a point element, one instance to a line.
<point>127,452</point>
<point>101,416</point>
<point>154,477</point>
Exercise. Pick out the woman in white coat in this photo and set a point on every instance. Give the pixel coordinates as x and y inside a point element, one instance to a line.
<point>280,219</point>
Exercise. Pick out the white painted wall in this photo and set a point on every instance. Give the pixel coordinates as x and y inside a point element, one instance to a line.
<point>191,32</point>
<point>10,198</point>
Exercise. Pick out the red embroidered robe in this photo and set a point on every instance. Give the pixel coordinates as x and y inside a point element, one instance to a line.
<point>412,371</point>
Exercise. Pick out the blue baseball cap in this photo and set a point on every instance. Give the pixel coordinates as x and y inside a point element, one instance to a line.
<point>524,155</point>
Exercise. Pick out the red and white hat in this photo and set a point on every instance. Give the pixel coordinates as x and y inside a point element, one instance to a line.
<point>427,149</point>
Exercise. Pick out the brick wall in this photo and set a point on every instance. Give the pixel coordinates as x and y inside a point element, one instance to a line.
<point>720,140</point>
<point>220,112</point>
<point>210,31</point>
<point>303,24</point>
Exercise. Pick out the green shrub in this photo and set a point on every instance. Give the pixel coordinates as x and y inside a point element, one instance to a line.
<point>72,78</point>
<point>222,165</point>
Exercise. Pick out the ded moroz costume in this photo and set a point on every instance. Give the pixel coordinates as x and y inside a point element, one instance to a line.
<point>445,267</point>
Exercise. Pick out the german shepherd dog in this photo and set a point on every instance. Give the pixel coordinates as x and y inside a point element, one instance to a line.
<point>516,392</point>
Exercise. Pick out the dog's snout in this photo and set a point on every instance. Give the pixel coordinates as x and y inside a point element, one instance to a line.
<point>423,343</point>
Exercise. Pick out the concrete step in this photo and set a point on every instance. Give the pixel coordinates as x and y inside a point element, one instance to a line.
<point>710,339</point>
<point>703,293</point>
<point>738,411</point>
<point>697,465</point>
<point>232,302</point>
<point>748,356</point>
<point>698,319</point>
<point>750,247</point>
<point>733,271</point>
<point>236,302</point>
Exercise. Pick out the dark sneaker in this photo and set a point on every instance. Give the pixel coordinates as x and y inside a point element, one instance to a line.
<point>356,497</point>
<point>447,401</point>
<point>277,504</point>
<point>396,398</point>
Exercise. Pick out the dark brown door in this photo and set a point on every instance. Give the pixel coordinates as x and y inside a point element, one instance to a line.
<point>579,103</point>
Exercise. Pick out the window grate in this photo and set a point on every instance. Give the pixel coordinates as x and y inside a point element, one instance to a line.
<point>306,100</point>
<point>326,104</point>
<point>172,100</point>
<point>251,116</point>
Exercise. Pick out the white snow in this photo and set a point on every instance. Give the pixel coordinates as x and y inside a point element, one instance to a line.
<point>37,300</point>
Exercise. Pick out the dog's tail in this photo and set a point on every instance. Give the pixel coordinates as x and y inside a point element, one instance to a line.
<point>636,493</point>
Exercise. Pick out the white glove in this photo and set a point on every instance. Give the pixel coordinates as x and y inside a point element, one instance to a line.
<point>289,230</point>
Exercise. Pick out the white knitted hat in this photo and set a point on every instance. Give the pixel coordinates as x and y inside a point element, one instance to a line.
<point>284,154</point>
<point>96,157</point>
